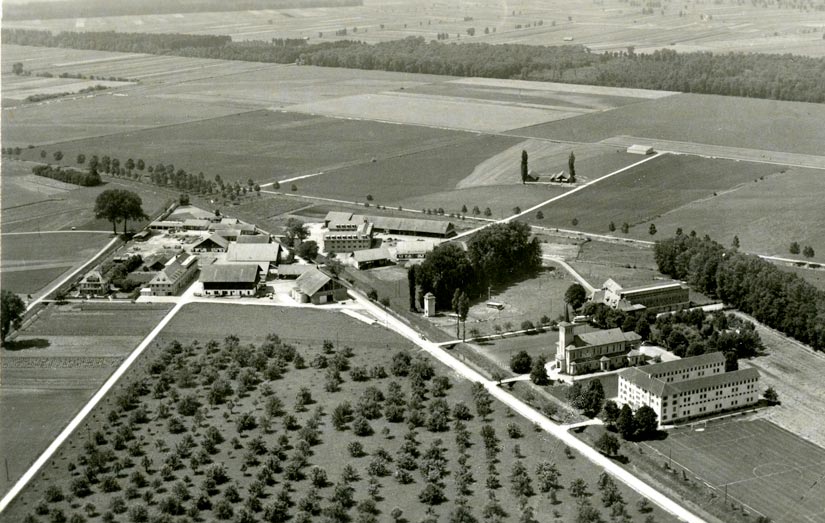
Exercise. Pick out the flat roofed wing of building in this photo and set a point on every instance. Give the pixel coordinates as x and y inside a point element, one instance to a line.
<point>235,273</point>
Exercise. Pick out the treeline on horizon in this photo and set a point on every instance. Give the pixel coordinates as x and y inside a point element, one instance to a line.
<point>779,299</point>
<point>772,76</point>
<point>93,8</point>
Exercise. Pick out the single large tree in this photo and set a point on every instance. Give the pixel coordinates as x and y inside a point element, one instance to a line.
<point>295,230</point>
<point>571,166</point>
<point>524,169</point>
<point>411,286</point>
<point>118,205</point>
<point>575,295</point>
<point>10,312</point>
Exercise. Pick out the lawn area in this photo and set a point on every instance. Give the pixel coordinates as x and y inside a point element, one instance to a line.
<point>55,365</point>
<point>650,190</point>
<point>403,177</point>
<point>262,145</point>
<point>784,126</point>
<point>766,216</point>
<point>268,212</point>
<point>753,458</point>
<point>266,455</point>
<point>31,261</point>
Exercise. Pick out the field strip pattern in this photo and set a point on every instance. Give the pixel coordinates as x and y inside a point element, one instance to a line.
<point>88,407</point>
<point>719,151</point>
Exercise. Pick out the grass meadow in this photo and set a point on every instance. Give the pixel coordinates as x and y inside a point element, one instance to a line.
<point>267,461</point>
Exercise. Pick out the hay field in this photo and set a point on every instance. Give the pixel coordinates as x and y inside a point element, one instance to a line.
<point>650,190</point>
<point>500,199</point>
<point>18,88</point>
<point>54,366</point>
<point>717,120</point>
<point>767,215</point>
<point>605,26</point>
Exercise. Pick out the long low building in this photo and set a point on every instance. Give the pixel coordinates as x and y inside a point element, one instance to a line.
<point>654,297</point>
<point>392,224</point>
<point>231,279</point>
<point>688,388</point>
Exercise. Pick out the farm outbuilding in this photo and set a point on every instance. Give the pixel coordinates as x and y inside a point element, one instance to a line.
<point>369,258</point>
<point>315,287</point>
<point>640,149</point>
<point>230,280</point>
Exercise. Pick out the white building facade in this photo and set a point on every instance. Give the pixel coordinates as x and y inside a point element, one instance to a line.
<point>688,388</point>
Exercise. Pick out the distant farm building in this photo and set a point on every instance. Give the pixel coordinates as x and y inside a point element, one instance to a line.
<point>369,258</point>
<point>656,297</point>
<point>292,271</point>
<point>596,351</point>
<point>688,388</point>
<point>230,279</point>
<point>640,149</point>
<point>267,255</point>
<point>254,238</point>
<point>316,287</point>
<point>394,225</point>
<point>166,225</point>
<point>348,236</point>
<point>175,276</point>
<point>414,249</point>
<point>196,224</point>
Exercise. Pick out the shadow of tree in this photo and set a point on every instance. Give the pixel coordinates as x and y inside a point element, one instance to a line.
<point>35,343</point>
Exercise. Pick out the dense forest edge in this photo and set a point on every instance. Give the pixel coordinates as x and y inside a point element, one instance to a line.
<point>780,300</point>
<point>771,76</point>
<point>94,8</point>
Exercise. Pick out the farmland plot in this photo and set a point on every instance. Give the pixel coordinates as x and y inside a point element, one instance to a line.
<point>650,190</point>
<point>767,215</point>
<point>54,366</point>
<point>717,120</point>
<point>264,145</point>
<point>298,428</point>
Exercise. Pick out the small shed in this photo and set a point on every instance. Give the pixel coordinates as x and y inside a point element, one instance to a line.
<point>640,149</point>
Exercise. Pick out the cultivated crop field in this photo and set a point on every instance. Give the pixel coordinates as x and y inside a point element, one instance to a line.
<point>754,459</point>
<point>278,430</point>
<point>717,120</point>
<point>610,25</point>
<point>265,145</point>
<point>55,365</point>
<point>766,216</point>
<point>650,190</point>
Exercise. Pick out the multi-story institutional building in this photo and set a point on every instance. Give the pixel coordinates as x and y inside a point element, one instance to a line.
<point>600,350</point>
<point>688,388</point>
<point>348,236</point>
<point>656,297</point>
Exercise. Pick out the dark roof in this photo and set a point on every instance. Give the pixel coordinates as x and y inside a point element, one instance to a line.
<point>235,273</point>
<point>603,337</point>
<point>312,281</point>
<point>685,363</point>
<point>414,225</point>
